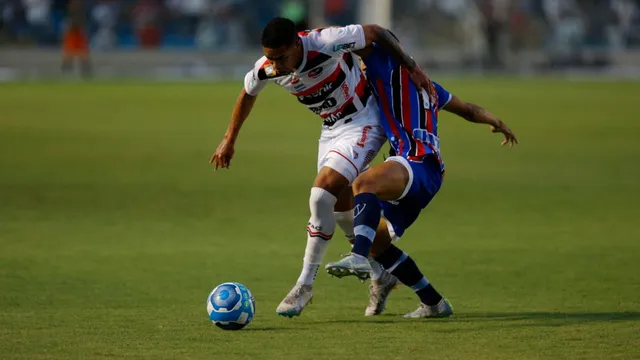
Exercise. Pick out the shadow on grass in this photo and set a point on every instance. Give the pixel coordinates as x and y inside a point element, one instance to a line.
<point>550,316</point>
<point>504,319</point>
<point>272,328</point>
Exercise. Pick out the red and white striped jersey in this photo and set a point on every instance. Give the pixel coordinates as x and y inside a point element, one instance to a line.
<point>329,80</point>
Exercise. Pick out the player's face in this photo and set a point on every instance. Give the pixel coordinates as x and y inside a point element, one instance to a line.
<point>284,59</point>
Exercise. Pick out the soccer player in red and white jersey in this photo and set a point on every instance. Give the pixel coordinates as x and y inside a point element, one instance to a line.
<point>320,69</point>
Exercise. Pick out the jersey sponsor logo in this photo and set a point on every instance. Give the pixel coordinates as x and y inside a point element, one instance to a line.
<point>299,87</point>
<point>332,119</point>
<point>254,79</point>
<point>327,104</point>
<point>363,138</point>
<point>345,89</point>
<point>315,72</point>
<point>346,46</point>
<point>328,87</point>
<point>427,138</point>
<point>270,70</point>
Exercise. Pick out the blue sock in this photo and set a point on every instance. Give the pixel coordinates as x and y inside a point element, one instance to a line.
<point>405,269</point>
<point>366,216</point>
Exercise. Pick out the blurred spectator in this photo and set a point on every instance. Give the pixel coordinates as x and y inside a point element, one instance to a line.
<point>566,30</point>
<point>75,41</point>
<point>105,16</point>
<point>228,16</point>
<point>185,15</point>
<point>479,31</point>
<point>627,13</point>
<point>296,11</point>
<point>339,12</point>
<point>38,18</point>
<point>13,20</point>
<point>495,13</point>
<point>146,22</point>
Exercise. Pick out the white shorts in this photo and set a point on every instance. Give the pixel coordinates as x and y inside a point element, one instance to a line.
<point>352,149</point>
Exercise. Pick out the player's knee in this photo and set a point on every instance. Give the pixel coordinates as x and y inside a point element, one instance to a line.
<point>331,180</point>
<point>321,201</point>
<point>364,184</point>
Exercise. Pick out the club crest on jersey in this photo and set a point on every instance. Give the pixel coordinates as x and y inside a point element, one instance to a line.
<point>270,70</point>
<point>294,80</point>
<point>315,72</point>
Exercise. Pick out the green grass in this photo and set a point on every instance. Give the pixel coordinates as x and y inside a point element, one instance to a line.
<point>113,228</point>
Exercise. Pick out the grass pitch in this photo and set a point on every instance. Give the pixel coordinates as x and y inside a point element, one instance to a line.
<point>113,228</point>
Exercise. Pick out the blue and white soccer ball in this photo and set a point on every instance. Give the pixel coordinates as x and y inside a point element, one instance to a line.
<point>231,306</point>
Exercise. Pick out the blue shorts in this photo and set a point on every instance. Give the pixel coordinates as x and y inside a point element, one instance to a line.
<point>425,179</point>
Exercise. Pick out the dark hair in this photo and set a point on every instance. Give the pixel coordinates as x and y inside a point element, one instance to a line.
<point>278,32</point>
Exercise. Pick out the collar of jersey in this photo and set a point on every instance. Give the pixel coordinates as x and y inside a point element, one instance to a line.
<point>304,57</point>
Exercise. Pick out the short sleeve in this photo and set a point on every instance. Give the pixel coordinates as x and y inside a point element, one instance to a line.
<point>444,96</point>
<point>335,40</point>
<point>252,82</point>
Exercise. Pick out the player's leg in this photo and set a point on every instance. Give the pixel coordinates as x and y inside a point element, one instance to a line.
<point>382,282</point>
<point>386,181</point>
<point>344,218</point>
<point>327,186</point>
<point>86,69</point>
<point>398,216</point>
<point>339,164</point>
<point>343,212</point>
<point>67,63</point>
<point>67,53</point>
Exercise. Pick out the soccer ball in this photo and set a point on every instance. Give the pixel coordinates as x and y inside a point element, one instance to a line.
<point>231,306</point>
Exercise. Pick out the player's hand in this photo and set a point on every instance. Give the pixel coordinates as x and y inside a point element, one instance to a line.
<point>421,81</point>
<point>509,136</point>
<point>222,157</point>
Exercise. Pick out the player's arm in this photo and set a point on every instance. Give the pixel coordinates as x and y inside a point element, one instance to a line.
<point>241,110</point>
<point>383,38</point>
<point>356,38</point>
<point>477,114</point>
<point>388,42</point>
<point>244,104</point>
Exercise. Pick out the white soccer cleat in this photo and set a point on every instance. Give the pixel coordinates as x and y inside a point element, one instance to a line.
<point>350,264</point>
<point>379,291</point>
<point>295,301</point>
<point>440,310</point>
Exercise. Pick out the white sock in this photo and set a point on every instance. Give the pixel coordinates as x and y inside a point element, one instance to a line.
<point>376,269</point>
<point>308,273</point>
<point>320,229</point>
<point>345,222</point>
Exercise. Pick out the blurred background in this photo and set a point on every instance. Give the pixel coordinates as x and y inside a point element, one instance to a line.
<point>220,38</point>
<point>113,228</point>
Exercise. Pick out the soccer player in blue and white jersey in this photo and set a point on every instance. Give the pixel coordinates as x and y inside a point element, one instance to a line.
<point>405,183</point>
